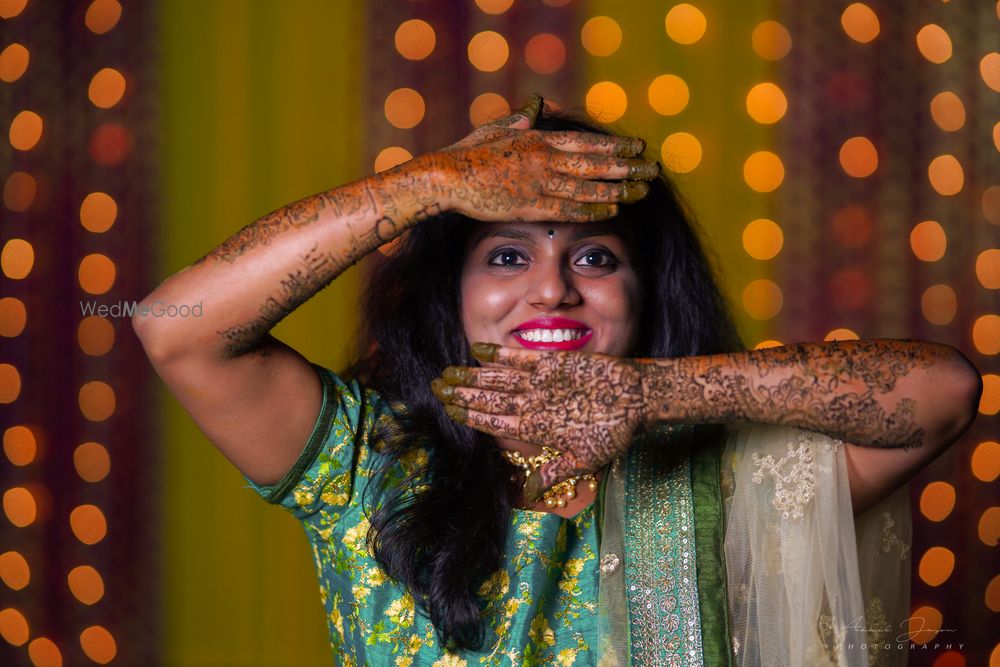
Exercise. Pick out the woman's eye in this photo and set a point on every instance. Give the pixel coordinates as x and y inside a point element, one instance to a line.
<point>507,258</point>
<point>597,258</point>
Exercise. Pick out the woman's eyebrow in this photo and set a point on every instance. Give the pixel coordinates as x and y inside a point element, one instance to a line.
<point>586,231</point>
<point>502,232</point>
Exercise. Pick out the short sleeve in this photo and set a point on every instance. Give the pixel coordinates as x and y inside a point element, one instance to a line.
<point>323,474</point>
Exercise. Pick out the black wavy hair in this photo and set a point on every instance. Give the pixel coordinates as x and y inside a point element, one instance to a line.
<point>442,531</point>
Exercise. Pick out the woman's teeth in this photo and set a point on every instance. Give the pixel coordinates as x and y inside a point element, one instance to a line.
<point>551,335</point>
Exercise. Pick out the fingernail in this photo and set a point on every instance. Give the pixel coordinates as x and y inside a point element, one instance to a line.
<point>454,375</point>
<point>533,106</point>
<point>456,413</point>
<point>485,351</point>
<point>644,170</point>
<point>442,390</point>
<point>634,146</point>
<point>532,487</point>
<point>600,211</point>
<point>634,190</point>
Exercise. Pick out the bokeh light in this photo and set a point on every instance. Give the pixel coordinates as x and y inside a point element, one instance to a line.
<point>487,108</point>
<point>97,400</point>
<point>685,23</point>
<point>13,317</point>
<point>989,69</point>
<point>986,334</point>
<point>98,644</point>
<point>106,88</point>
<point>668,95</point>
<point>14,61</point>
<point>10,383</point>
<point>988,268</point>
<point>415,39</point>
<point>937,500</point>
<point>763,171</point>
<point>20,506</point>
<point>765,344</point>
<point>11,8</point>
<point>17,258</point>
<point>44,653</point>
<point>95,335</point>
<point>841,334</point>
<point>545,53</point>
<point>494,6</point>
<point>858,157</point>
<point>851,226</point>
<point>991,204</point>
<point>771,41</point>
<point>19,191</point>
<point>91,461</point>
<point>934,43</point>
<point>86,584</point>
<point>928,241</point>
<point>766,103</point>
<point>986,461</point>
<point>681,152</point>
<point>390,157</point>
<point>110,144</point>
<point>96,273</point>
<point>924,625</point>
<point>98,212</point>
<point>989,526</point>
<point>404,108</point>
<point>762,239</point>
<point>939,304</point>
<point>25,130</point>
<point>762,299</point>
<point>936,565</point>
<point>20,445</point>
<point>14,570</point>
<point>948,111</point>
<point>946,175</point>
<point>88,524</point>
<point>488,51</point>
<point>606,102</point>
<point>102,16</point>
<point>601,36</point>
<point>860,22</point>
<point>989,403</point>
<point>13,627</point>
<point>992,601</point>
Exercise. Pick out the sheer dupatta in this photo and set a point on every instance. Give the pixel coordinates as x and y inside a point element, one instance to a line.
<point>739,547</point>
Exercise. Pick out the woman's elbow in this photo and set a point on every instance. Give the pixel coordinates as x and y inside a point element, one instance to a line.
<point>965,388</point>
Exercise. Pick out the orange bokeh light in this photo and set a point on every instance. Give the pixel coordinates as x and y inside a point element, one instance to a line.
<point>771,41</point>
<point>19,191</point>
<point>14,627</point>
<point>762,299</point>
<point>86,584</point>
<point>44,653</point>
<point>928,241</point>
<point>11,8</point>
<point>14,61</point>
<point>97,400</point>
<point>102,16</point>
<point>488,51</point>
<point>681,152</point>
<point>606,102</point>
<point>989,403</point>
<point>948,111</point>
<point>96,273</point>
<point>766,103</point>
<point>26,130</point>
<point>937,500</point>
<point>986,461</point>
<point>14,570</point>
<point>415,39</point>
<point>989,69</point>
<point>934,43</point>
<point>110,144</point>
<point>88,524</point>
<point>668,95</point>
<point>106,88</point>
<point>13,317</point>
<point>601,36</point>
<point>98,644</point>
<point>858,157</point>
<point>989,526</point>
<point>988,268</point>
<point>946,175</point>
<point>860,22</point>
<point>404,108</point>
<point>494,6</point>
<point>20,445</point>
<point>991,204</point>
<point>763,171</point>
<point>487,108</point>
<point>20,506</point>
<point>390,157</point>
<point>841,334</point>
<point>17,258</point>
<point>763,239</point>
<point>685,23</point>
<point>95,335</point>
<point>10,383</point>
<point>936,565</point>
<point>986,334</point>
<point>92,461</point>
<point>545,53</point>
<point>924,625</point>
<point>98,212</point>
<point>939,304</point>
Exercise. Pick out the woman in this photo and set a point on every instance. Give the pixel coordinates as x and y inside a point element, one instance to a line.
<point>606,341</point>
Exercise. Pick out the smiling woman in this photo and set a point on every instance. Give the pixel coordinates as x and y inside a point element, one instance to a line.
<point>548,318</point>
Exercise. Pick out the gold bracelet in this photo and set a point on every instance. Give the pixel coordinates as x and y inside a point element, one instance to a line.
<point>559,494</point>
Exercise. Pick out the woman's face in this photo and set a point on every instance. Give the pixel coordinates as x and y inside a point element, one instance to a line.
<point>572,289</point>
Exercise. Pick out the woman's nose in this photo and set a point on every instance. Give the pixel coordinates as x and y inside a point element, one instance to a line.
<point>550,287</point>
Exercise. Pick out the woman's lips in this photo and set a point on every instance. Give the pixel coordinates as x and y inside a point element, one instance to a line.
<point>553,333</point>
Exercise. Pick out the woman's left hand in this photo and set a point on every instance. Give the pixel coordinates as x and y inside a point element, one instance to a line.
<point>588,406</point>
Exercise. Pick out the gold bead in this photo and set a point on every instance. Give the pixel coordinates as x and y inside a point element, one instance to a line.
<point>571,493</point>
<point>592,485</point>
<point>561,502</point>
<point>549,502</point>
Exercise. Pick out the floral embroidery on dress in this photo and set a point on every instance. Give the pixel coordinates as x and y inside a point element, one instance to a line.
<point>890,539</point>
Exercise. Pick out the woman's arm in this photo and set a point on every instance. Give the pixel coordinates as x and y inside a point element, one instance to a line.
<point>256,398</point>
<point>902,402</point>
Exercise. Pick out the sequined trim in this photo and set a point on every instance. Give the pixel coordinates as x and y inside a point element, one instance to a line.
<point>660,569</point>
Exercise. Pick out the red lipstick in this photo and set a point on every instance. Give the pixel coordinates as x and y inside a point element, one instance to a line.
<point>562,334</point>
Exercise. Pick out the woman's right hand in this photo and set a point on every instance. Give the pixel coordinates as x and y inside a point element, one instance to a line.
<point>508,171</point>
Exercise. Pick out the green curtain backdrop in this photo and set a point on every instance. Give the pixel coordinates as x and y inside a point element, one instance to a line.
<point>261,104</point>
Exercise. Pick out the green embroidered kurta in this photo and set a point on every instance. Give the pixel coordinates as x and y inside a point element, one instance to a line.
<point>542,605</point>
